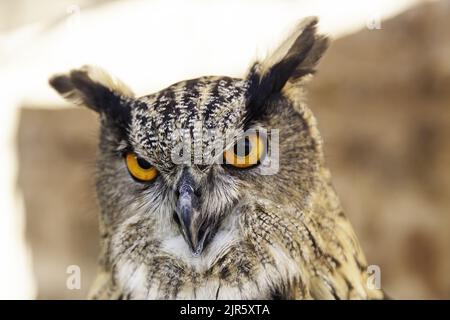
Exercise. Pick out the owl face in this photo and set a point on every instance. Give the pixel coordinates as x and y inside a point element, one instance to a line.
<point>168,176</point>
<point>194,196</point>
<point>187,196</point>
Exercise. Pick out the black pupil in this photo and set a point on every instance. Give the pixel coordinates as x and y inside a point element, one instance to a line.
<point>242,148</point>
<point>143,164</point>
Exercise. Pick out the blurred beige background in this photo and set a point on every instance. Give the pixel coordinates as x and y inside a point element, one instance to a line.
<point>381,97</point>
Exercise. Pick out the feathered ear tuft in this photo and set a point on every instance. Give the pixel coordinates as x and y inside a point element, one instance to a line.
<point>295,58</point>
<point>97,90</point>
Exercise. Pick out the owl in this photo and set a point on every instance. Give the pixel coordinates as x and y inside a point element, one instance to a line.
<point>217,188</point>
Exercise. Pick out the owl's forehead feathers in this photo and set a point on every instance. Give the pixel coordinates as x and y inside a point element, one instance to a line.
<point>207,104</point>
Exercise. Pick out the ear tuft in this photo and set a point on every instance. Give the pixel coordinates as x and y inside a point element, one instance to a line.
<point>95,89</point>
<point>100,76</point>
<point>299,52</point>
<point>86,85</point>
<point>295,58</point>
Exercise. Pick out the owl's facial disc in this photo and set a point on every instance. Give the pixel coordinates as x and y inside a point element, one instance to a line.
<point>195,228</point>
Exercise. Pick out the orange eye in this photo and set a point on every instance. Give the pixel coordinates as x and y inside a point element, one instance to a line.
<point>246,153</point>
<point>139,168</point>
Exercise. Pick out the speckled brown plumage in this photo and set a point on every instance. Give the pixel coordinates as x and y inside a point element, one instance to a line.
<point>277,236</point>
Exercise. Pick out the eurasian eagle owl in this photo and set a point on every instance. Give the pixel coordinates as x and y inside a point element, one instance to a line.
<point>216,187</point>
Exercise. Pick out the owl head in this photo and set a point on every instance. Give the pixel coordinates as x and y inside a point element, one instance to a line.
<point>176,167</point>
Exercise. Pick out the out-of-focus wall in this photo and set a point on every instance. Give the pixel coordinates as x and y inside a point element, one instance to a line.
<point>382,100</point>
<point>56,175</point>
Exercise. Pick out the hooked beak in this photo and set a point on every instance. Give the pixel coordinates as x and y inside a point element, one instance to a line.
<point>194,228</point>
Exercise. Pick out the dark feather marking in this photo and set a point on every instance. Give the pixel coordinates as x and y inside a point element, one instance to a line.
<point>278,293</point>
<point>216,99</point>
<point>169,107</point>
<point>224,272</point>
<point>333,259</point>
<point>217,292</point>
<point>361,266</point>
<point>349,286</point>
<point>316,248</point>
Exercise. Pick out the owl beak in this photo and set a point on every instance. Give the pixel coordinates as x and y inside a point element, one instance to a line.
<point>194,229</point>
